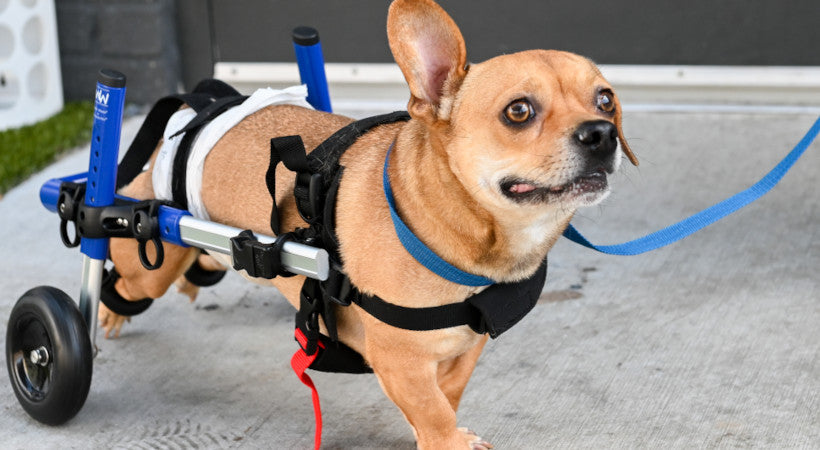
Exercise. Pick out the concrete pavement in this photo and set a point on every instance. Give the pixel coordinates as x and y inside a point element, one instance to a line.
<point>713,342</point>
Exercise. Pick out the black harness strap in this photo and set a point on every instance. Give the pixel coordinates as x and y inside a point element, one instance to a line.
<point>291,152</point>
<point>318,174</point>
<point>145,142</point>
<point>334,356</point>
<point>420,319</point>
<point>325,157</point>
<point>204,116</point>
<point>318,171</point>
<point>493,310</point>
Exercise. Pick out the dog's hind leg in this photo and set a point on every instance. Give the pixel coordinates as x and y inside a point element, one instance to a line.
<point>186,287</point>
<point>137,282</point>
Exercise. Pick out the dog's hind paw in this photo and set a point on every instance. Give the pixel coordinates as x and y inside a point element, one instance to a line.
<point>187,288</point>
<point>476,442</point>
<point>111,322</point>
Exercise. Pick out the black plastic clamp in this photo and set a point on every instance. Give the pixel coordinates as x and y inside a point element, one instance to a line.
<point>257,259</point>
<point>123,219</point>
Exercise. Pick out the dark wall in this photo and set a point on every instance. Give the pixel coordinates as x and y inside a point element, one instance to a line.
<point>713,32</point>
<point>136,37</point>
<point>160,43</point>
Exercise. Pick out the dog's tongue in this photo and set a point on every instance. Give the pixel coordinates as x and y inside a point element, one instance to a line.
<point>521,188</point>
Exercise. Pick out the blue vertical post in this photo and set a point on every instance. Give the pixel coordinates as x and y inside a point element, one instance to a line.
<point>100,186</point>
<point>312,66</point>
<point>105,142</point>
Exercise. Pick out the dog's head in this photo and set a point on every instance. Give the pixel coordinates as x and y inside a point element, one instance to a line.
<point>535,129</point>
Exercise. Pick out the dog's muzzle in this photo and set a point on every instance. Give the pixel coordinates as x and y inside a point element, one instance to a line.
<point>597,140</point>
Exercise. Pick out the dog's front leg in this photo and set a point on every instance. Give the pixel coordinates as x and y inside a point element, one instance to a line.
<point>411,380</point>
<point>453,374</point>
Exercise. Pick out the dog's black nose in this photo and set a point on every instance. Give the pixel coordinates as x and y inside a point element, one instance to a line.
<point>597,136</point>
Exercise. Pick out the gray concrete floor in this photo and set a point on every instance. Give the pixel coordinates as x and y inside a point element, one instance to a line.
<point>710,343</point>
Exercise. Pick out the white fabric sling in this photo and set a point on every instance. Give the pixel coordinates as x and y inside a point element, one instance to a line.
<point>207,138</point>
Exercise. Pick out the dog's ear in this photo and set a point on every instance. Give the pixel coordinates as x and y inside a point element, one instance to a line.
<point>429,49</point>
<point>618,124</point>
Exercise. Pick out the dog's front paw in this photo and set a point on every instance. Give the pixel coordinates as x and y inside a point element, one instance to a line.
<point>111,322</point>
<point>475,441</point>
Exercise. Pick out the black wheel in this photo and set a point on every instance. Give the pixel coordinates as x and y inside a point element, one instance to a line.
<point>48,354</point>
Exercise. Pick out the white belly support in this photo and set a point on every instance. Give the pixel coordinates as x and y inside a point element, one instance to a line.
<point>207,138</point>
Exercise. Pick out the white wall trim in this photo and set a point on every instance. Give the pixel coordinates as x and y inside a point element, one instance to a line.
<point>383,84</point>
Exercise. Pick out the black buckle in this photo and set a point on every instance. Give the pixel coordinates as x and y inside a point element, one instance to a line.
<point>257,259</point>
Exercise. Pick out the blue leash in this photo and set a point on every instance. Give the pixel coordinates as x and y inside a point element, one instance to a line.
<point>706,217</point>
<point>653,241</point>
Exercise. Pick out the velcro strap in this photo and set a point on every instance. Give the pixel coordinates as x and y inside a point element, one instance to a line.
<point>179,173</point>
<point>115,302</point>
<point>202,277</point>
<point>325,157</point>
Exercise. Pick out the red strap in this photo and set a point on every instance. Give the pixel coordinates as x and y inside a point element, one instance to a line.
<point>300,362</point>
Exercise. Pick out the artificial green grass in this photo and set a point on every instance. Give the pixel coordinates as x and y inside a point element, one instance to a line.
<point>25,150</point>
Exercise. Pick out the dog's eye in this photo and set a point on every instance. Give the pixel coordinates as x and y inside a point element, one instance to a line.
<point>519,112</point>
<point>605,101</point>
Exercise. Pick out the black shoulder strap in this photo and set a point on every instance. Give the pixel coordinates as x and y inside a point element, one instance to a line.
<point>317,171</point>
<point>325,157</point>
<point>144,144</point>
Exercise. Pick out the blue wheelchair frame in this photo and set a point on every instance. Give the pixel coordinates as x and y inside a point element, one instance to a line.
<point>30,368</point>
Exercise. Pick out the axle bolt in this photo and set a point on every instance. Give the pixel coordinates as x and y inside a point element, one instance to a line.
<point>39,356</point>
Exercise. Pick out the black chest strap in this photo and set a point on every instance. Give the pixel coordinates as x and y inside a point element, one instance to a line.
<point>493,310</point>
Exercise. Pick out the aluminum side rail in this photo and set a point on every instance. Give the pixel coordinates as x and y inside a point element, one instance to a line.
<point>181,228</point>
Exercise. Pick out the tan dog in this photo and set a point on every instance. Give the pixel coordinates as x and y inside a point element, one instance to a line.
<point>488,173</point>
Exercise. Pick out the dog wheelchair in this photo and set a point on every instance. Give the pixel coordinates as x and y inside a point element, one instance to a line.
<point>50,339</point>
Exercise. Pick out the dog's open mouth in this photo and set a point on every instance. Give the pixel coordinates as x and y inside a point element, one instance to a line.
<point>521,190</point>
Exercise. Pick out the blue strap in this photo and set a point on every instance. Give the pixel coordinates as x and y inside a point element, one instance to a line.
<point>421,252</point>
<point>706,217</point>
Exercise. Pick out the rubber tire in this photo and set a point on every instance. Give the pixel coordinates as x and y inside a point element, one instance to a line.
<point>46,316</point>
